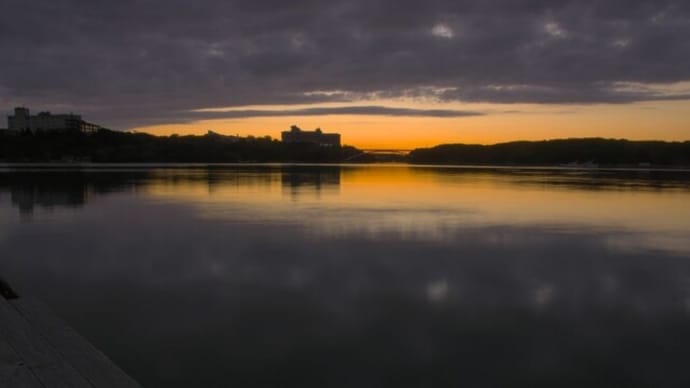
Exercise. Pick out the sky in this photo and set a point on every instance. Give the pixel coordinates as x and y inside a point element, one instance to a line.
<point>383,73</point>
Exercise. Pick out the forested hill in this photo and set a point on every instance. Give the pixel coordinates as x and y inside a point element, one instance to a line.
<point>113,146</point>
<point>557,152</point>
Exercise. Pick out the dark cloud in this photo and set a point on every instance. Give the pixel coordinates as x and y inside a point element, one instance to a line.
<point>340,110</point>
<point>143,61</point>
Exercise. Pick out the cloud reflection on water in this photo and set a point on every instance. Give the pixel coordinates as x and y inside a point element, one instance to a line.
<point>255,277</point>
<point>235,300</point>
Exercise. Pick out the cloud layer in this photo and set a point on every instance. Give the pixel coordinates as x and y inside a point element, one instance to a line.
<point>145,61</point>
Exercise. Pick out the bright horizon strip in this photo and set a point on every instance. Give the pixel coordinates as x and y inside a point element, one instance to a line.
<point>652,120</point>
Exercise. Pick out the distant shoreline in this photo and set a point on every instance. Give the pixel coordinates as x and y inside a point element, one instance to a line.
<point>90,166</point>
<point>111,147</point>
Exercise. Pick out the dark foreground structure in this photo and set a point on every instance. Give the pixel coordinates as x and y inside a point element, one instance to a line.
<point>38,350</point>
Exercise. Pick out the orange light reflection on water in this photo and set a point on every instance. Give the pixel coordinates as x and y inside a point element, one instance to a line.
<point>434,202</point>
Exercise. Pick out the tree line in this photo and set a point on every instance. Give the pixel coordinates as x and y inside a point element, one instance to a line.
<point>559,152</point>
<point>106,146</point>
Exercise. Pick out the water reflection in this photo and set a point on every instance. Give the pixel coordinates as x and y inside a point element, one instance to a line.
<point>630,206</point>
<point>28,195</point>
<point>383,277</point>
<point>301,180</point>
<point>31,189</point>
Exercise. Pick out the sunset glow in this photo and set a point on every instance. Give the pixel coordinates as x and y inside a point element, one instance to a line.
<point>383,75</point>
<point>345,193</point>
<point>660,120</point>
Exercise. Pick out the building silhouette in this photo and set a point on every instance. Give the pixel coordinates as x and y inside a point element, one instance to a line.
<point>296,135</point>
<point>22,120</point>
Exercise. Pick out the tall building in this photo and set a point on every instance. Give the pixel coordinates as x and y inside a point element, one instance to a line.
<point>296,135</point>
<point>46,121</point>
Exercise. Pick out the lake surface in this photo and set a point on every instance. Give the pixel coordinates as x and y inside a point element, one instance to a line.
<point>361,276</point>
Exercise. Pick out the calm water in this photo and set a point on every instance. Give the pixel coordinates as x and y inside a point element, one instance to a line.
<point>367,276</point>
